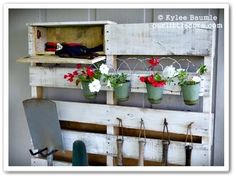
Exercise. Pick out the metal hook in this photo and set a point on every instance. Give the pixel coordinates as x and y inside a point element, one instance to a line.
<point>41,152</point>
<point>189,133</point>
<point>120,125</point>
<point>142,128</point>
<point>167,131</point>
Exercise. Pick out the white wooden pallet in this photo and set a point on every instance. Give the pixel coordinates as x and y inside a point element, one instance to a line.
<point>136,39</point>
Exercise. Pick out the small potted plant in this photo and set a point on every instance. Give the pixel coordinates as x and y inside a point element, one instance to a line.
<point>190,85</point>
<point>88,77</point>
<point>155,82</point>
<point>120,84</point>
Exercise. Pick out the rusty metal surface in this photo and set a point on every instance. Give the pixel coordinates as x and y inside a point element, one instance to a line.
<point>43,123</point>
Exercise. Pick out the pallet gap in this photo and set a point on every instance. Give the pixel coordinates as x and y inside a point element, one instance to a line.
<point>158,135</point>
<point>83,127</point>
<point>134,162</point>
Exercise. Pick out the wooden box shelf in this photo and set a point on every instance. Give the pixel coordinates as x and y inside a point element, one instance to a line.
<point>52,59</point>
<point>89,34</point>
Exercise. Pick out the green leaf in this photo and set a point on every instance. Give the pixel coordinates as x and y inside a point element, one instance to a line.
<point>202,69</point>
<point>116,79</point>
<point>157,77</point>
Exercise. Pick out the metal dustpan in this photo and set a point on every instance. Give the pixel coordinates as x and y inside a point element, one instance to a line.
<point>43,124</point>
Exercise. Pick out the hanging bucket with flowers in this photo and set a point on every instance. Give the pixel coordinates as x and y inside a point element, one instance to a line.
<point>190,85</point>
<point>120,84</point>
<point>155,86</point>
<point>155,82</point>
<point>88,77</point>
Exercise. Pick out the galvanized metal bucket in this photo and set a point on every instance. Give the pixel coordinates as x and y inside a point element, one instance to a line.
<point>122,92</point>
<point>87,93</point>
<point>154,94</point>
<point>191,93</point>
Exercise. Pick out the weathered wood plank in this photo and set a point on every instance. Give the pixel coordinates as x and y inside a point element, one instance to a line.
<point>96,143</point>
<point>31,41</point>
<point>112,63</point>
<point>43,162</point>
<point>41,41</point>
<point>53,77</point>
<point>165,38</point>
<point>55,59</point>
<point>89,36</point>
<point>153,118</point>
<point>74,23</point>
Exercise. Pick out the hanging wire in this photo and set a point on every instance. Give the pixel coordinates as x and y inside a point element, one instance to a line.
<point>142,129</point>
<point>165,127</point>
<point>120,125</point>
<point>189,133</point>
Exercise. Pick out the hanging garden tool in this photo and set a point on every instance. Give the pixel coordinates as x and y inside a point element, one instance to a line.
<point>165,144</point>
<point>44,127</point>
<point>119,141</point>
<point>142,142</point>
<point>188,147</point>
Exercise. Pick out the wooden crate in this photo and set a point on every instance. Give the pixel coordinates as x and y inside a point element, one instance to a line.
<point>137,39</point>
<point>89,34</point>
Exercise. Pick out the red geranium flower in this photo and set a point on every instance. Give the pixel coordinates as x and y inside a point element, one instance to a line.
<point>143,79</point>
<point>78,66</point>
<point>65,76</point>
<point>70,79</point>
<point>158,84</point>
<point>162,83</point>
<point>70,75</point>
<point>155,84</point>
<point>150,79</point>
<point>89,72</point>
<point>153,61</point>
<point>75,72</point>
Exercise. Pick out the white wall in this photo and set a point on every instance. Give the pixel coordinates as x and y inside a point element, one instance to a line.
<point>19,138</point>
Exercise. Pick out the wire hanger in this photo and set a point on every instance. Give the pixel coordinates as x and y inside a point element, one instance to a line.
<point>189,133</point>
<point>120,125</point>
<point>142,129</point>
<point>167,131</point>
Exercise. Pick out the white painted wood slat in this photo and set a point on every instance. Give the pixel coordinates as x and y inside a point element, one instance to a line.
<point>53,77</point>
<point>72,23</point>
<point>97,144</point>
<point>43,162</point>
<point>52,59</point>
<point>153,118</point>
<point>165,38</point>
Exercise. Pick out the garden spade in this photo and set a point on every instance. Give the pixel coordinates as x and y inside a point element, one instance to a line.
<point>44,127</point>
